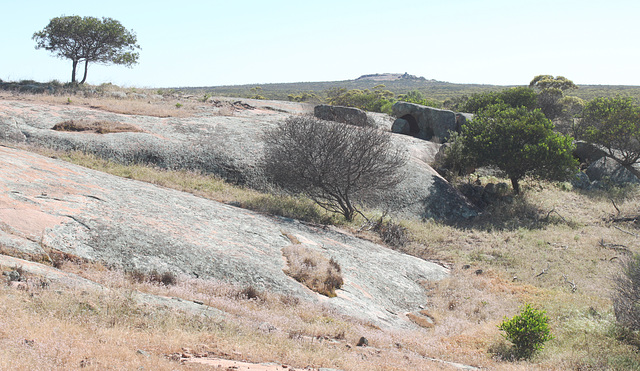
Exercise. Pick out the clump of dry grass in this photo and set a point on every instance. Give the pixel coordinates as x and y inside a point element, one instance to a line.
<point>100,127</point>
<point>311,268</point>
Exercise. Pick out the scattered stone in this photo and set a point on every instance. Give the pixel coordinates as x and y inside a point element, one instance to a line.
<point>363,342</point>
<point>143,353</point>
<point>14,276</point>
<point>266,327</point>
<point>466,266</point>
<point>479,272</point>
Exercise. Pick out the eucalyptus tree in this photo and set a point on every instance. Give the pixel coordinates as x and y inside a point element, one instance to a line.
<point>88,40</point>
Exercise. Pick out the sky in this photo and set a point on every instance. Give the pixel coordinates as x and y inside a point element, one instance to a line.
<point>212,43</point>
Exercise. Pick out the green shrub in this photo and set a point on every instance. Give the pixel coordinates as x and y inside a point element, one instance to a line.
<point>377,100</point>
<point>528,331</point>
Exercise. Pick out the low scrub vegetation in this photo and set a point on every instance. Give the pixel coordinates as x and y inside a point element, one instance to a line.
<point>100,127</point>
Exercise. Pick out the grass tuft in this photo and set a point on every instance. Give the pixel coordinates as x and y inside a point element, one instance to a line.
<point>311,268</point>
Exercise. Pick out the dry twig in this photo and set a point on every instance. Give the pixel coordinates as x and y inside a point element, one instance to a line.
<point>543,272</point>
<point>613,246</point>
<point>627,232</point>
<point>572,284</point>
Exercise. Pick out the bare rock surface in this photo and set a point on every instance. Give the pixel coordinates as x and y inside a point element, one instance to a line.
<point>53,205</point>
<point>229,146</point>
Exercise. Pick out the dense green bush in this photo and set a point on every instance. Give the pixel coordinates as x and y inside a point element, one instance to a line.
<point>416,96</point>
<point>613,123</point>
<point>528,331</point>
<point>520,143</point>
<point>377,100</point>
<point>513,97</point>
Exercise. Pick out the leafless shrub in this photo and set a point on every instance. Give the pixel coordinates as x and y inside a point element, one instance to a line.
<point>249,293</point>
<point>165,278</point>
<point>335,165</point>
<point>393,234</point>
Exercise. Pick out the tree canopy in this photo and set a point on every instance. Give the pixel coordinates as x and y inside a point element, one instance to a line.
<point>519,142</point>
<point>613,123</point>
<point>551,96</point>
<point>88,39</point>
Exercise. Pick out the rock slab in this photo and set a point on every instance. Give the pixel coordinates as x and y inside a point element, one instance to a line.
<point>131,225</point>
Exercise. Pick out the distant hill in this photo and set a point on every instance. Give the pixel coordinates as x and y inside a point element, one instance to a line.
<point>390,77</point>
<point>398,84</point>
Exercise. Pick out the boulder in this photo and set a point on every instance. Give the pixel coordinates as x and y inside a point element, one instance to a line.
<point>401,126</point>
<point>581,181</point>
<point>587,152</point>
<point>345,115</point>
<point>608,169</point>
<point>426,122</point>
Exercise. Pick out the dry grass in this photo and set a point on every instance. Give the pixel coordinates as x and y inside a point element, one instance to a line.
<point>99,127</point>
<point>312,268</point>
<point>51,327</point>
<point>154,105</point>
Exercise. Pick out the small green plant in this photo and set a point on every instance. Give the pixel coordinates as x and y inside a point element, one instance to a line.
<point>68,100</point>
<point>528,331</point>
<point>178,105</point>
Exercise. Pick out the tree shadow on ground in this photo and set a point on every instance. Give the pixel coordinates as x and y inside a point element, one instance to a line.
<point>512,213</point>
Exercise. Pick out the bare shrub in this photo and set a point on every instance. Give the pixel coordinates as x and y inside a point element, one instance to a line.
<point>249,293</point>
<point>313,269</point>
<point>626,293</point>
<point>335,165</point>
<point>165,278</point>
<point>393,234</point>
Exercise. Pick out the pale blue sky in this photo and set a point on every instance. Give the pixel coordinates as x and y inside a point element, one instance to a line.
<point>208,43</point>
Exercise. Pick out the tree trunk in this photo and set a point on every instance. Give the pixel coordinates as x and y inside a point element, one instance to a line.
<point>515,185</point>
<point>86,67</point>
<point>73,72</point>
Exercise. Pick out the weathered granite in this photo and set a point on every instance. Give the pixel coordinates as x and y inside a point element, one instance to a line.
<point>425,122</point>
<point>134,225</point>
<point>345,115</point>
